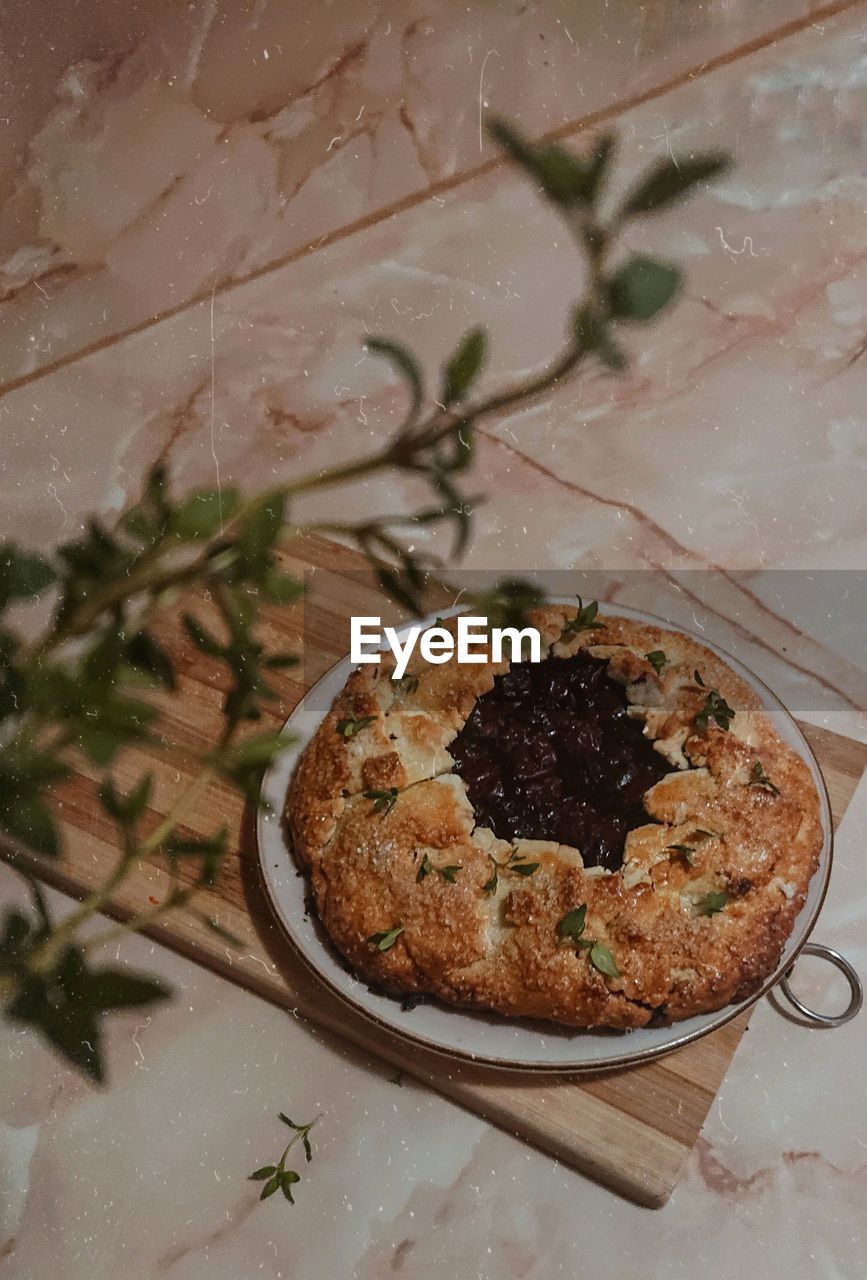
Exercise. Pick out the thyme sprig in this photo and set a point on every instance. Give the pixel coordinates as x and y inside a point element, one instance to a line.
<point>714,708</point>
<point>386,938</point>
<point>80,691</point>
<point>571,929</point>
<point>657,659</point>
<point>448,873</point>
<point>758,778</point>
<point>383,800</point>
<point>688,850</point>
<point>585,619</point>
<point>712,903</point>
<point>351,725</point>
<point>276,1176</point>
<point>516,863</point>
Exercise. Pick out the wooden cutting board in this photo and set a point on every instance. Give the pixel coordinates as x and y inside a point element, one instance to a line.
<point>630,1129</point>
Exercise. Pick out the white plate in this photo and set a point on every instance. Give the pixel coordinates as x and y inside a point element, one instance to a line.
<point>482,1037</point>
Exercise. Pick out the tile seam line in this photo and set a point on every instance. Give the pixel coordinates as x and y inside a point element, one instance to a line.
<point>647,522</point>
<point>445,186</point>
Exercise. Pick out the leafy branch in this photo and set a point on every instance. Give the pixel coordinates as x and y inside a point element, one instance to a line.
<point>96,679</point>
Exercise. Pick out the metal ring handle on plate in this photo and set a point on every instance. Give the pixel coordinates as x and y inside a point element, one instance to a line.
<point>856,991</point>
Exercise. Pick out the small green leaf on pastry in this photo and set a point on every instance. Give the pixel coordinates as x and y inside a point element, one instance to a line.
<point>385,941</point>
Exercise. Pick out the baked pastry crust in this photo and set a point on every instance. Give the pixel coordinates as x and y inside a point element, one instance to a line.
<point>755,843</point>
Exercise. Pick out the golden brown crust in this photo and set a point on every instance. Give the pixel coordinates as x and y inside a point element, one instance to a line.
<point>376,865</point>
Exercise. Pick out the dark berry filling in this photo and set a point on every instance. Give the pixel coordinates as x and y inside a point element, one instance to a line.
<point>550,754</point>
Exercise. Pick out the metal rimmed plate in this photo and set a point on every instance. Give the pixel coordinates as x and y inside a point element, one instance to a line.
<point>490,1038</point>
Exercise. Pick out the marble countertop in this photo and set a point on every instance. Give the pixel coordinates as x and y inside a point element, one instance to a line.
<point>206,208</point>
<point>148,1178</point>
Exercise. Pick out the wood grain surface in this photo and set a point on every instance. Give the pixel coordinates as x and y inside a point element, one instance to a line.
<point>631,1129</point>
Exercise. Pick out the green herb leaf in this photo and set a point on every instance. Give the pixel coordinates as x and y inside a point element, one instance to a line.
<point>450,873</point>
<point>509,603</point>
<point>260,748</point>
<point>657,659</point>
<point>281,661</point>
<point>585,619</point>
<point>202,637</point>
<point>564,178</point>
<point>39,903</point>
<point>16,937</point>
<point>105,721</point>
<point>138,524</point>
<point>696,675</point>
<point>95,557</point>
<point>604,150</point>
<point>67,1004</point>
<point>259,530</point>
<point>126,809</point>
<point>571,926</point>
<point>407,684</point>
<point>146,653</point>
<point>758,778</point>
<point>349,727</point>
<point>602,959</point>
<point>260,1175</point>
<point>281,588</point>
<point>715,708</point>
<point>203,514</point>
<point>393,586</point>
<point>642,288</point>
<point>425,868</point>
<point>711,903</point>
<point>148,520</point>
<point>524,868</point>
<point>593,333</point>
<point>464,366</point>
<point>406,364</point>
<point>122,989</point>
<point>196,845</point>
<point>22,574</point>
<point>287,1181</point>
<point>222,932</point>
<point>671,180</point>
<point>383,801</point>
<point>686,849</point>
<point>209,848</point>
<point>28,819</point>
<point>385,940</point>
<point>272,1185</point>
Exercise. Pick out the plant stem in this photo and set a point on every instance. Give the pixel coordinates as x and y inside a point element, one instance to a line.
<point>532,387</point>
<point>176,812</point>
<point>302,1132</point>
<point>176,897</point>
<point>340,475</point>
<point>46,954</point>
